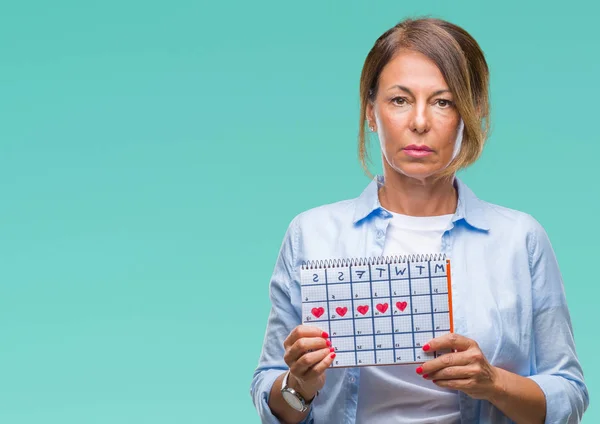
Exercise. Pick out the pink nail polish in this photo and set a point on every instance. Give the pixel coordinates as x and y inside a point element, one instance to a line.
<point>325,335</point>
<point>419,370</point>
<point>426,347</point>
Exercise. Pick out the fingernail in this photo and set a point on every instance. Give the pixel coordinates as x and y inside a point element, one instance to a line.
<point>325,335</point>
<point>425,375</point>
<point>426,347</point>
<point>328,343</point>
<point>331,349</point>
<point>332,355</point>
<point>419,370</point>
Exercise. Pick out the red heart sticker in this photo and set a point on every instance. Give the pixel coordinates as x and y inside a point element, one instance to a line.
<point>341,311</point>
<point>318,311</point>
<point>363,309</point>
<point>382,307</point>
<point>401,305</point>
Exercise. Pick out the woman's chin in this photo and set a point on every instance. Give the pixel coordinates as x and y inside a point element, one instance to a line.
<point>419,171</point>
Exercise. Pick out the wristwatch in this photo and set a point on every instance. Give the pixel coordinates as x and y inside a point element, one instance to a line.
<point>292,397</point>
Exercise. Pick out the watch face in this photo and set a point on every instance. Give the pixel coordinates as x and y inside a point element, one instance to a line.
<point>292,400</point>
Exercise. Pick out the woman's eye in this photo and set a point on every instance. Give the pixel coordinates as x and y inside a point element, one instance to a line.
<point>444,103</point>
<point>399,101</point>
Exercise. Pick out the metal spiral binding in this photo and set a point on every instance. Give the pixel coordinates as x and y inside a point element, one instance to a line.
<point>377,260</point>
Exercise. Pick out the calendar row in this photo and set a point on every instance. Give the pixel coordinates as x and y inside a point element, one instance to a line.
<point>388,356</point>
<point>340,310</point>
<point>384,341</point>
<point>375,289</point>
<point>387,272</point>
<point>387,326</point>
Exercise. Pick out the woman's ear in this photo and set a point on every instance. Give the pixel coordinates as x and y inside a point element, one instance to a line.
<point>370,115</point>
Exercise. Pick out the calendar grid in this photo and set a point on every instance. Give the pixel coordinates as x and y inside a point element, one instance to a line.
<point>392,316</point>
<point>333,284</point>
<point>391,312</point>
<point>373,316</point>
<point>431,298</point>
<point>327,297</point>
<point>369,318</point>
<point>351,317</point>
<point>365,298</point>
<point>412,318</point>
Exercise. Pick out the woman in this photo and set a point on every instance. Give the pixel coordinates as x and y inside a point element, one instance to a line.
<point>424,91</point>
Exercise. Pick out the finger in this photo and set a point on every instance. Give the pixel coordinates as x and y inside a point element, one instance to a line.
<point>306,361</point>
<point>453,373</point>
<point>447,360</point>
<point>450,341</point>
<point>320,368</point>
<point>303,331</point>
<point>303,346</point>
<point>459,384</point>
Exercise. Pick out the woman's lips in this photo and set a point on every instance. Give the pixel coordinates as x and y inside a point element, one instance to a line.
<point>417,151</point>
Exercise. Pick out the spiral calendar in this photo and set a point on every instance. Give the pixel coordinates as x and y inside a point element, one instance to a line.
<point>379,310</point>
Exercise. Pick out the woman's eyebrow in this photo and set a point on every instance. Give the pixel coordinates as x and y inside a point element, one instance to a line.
<point>403,88</point>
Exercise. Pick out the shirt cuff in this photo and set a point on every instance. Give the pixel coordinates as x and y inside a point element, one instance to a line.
<point>261,394</point>
<point>558,404</point>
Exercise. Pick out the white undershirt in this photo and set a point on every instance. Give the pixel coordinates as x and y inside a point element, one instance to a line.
<point>397,394</point>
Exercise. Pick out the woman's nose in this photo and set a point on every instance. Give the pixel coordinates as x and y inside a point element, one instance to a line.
<point>419,121</point>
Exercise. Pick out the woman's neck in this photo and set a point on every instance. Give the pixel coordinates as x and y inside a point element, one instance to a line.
<point>409,196</point>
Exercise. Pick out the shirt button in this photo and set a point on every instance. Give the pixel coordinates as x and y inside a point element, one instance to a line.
<point>351,379</point>
<point>379,233</point>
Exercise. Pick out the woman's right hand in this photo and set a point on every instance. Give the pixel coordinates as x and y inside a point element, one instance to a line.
<point>308,354</point>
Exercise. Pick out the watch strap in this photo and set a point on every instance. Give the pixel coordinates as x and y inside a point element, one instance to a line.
<point>284,386</point>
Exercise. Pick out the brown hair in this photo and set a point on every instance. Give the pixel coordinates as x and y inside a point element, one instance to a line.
<point>463,66</point>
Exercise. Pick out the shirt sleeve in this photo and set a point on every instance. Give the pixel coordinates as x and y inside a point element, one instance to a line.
<point>556,368</point>
<point>282,319</point>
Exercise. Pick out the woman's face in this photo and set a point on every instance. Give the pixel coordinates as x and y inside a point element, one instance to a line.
<point>414,116</point>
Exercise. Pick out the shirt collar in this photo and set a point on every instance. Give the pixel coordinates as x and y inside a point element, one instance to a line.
<point>470,207</point>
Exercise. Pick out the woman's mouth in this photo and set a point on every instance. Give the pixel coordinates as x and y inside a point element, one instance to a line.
<point>417,151</point>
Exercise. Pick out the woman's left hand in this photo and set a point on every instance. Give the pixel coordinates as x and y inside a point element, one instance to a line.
<point>465,369</point>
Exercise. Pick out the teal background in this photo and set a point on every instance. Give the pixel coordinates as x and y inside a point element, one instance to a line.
<point>153,153</point>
